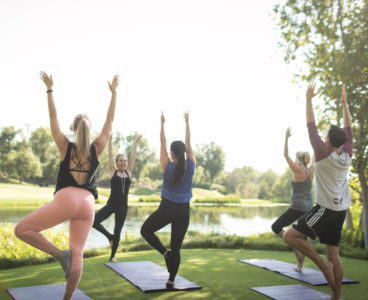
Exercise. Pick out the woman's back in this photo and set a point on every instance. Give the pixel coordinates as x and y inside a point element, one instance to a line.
<point>72,172</point>
<point>79,167</point>
<point>180,192</point>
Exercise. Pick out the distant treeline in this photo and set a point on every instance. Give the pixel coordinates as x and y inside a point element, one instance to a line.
<point>36,159</point>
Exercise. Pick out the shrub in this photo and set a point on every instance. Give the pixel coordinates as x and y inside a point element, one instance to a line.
<point>14,252</point>
<point>222,200</point>
<point>354,238</point>
<point>152,198</point>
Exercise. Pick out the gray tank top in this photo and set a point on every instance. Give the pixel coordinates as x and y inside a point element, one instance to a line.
<point>301,195</point>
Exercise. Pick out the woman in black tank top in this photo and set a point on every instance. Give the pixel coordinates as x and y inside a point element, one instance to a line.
<point>118,201</point>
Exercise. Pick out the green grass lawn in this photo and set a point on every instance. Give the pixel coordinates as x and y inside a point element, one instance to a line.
<point>24,194</point>
<point>15,194</point>
<point>202,193</point>
<point>216,270</point>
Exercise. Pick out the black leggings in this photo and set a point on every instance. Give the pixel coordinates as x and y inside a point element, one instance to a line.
<point>287,218</point>
<point>168,212</point>
<point>120,215</point>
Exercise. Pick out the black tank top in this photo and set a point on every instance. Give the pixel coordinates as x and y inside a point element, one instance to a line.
<point>119,190</point>
<point>65,179</point>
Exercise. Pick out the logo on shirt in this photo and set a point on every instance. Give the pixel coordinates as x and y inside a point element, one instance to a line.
<point>337,200</point>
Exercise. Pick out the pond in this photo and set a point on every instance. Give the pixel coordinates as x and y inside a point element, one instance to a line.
<point>242,221</point>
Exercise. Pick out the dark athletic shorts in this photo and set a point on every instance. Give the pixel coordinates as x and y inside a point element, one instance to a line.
<point>322,222</point>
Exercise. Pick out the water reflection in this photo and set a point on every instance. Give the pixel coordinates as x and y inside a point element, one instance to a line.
<point>241,221</point>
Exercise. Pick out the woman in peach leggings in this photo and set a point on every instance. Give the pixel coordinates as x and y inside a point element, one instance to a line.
<point>75,192</point>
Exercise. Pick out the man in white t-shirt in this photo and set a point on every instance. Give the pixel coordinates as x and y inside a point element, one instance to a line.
<point>332,162</point>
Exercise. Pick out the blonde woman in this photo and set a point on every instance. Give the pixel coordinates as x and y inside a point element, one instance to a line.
<point>301,193</point>
<point>75,192</point>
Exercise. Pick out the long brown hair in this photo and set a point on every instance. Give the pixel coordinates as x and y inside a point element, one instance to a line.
<point>82,125</point>
<point>178,148</point>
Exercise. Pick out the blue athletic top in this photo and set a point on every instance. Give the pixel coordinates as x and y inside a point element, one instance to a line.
<point>182,191</point>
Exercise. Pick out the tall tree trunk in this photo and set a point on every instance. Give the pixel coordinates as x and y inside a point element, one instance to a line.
<point>349,220</point>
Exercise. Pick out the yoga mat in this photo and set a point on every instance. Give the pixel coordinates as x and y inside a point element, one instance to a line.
<point>149,277</point>
<point>44,292</point>
<point>311,276</point>
<point>291,292</point>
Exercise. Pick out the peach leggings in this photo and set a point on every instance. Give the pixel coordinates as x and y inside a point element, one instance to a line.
<point>71,203</point>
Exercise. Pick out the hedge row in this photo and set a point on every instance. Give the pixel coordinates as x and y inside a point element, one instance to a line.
<point>222,200</point>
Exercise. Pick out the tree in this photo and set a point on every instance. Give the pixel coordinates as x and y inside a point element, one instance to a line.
<point>243,181</point>
<point>154,169</point>
<point>50,167</point>
<point>7,143</point>
<point>41,140</point>
<point>24,163</point>
<point>199,178</point>
<point>266,181</point>
<point>331,37</point>
<point>212,158</point>
<point>281,189</point>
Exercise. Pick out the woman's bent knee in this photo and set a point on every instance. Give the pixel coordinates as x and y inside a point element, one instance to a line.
<point>275,228</point>
<point>18,230</point>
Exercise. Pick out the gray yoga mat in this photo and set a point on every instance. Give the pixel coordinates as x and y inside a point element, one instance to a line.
<point>291,292</point>
<point>149,277</point>
<point>44,292</point>
<point>310,276</point>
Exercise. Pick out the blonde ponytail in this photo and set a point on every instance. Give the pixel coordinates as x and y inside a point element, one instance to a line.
<point>304,160</point>
<point>82,142</point>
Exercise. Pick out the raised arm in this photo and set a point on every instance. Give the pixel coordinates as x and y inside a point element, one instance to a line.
<point>309,95</point>
<point>293,166</point>
<point>345,108</point>
<point>189,150</point>
<point>111,159</point>
<point>59,137</point>
<point>164,158</point>
<point>101,141</point>
<point>132,156</point>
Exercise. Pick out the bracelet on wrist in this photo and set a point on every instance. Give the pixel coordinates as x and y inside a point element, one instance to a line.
<point>49,91</point>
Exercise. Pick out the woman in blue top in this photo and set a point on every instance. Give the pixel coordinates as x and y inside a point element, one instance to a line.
<point>176,193</point>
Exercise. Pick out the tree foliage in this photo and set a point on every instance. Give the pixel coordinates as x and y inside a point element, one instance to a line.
<point>24,164</point>
<point>211,158</point>
<point>41,140</point>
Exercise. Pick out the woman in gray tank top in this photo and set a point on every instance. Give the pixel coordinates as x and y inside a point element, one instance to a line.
<point>301,194</point>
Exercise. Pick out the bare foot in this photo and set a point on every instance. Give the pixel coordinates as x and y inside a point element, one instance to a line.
<point>299,268</point>
<point>329,274</point>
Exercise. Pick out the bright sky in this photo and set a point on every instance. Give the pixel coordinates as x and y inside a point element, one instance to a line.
<point>217,59</point>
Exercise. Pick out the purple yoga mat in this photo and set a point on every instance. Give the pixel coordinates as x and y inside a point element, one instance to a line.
<point>149,277</point>
<point>310,276</point>
<point>291,292</point>
<point>44,292</point>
